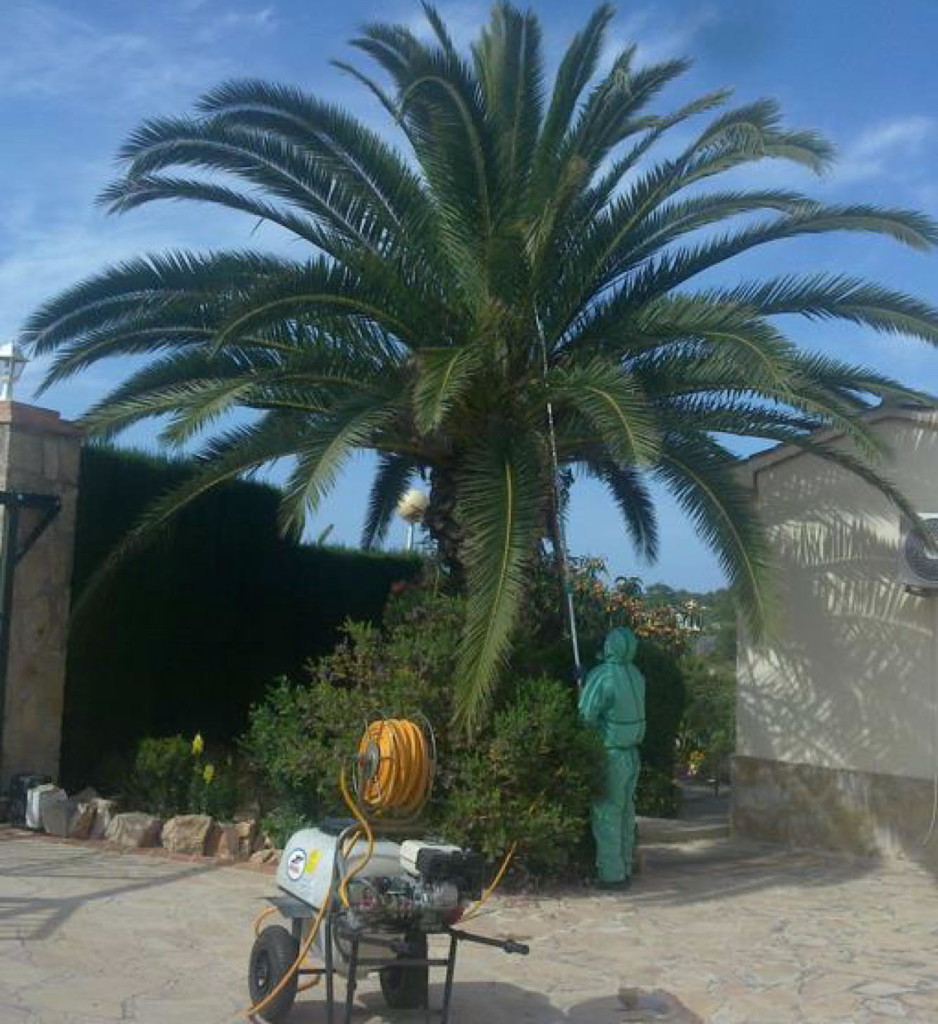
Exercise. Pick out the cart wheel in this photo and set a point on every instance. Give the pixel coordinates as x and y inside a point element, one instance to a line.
<point>272,955</point>
<point>406,988</point>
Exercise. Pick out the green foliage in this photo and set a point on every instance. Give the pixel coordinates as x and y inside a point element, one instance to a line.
<point>600,606</point>
<point>530,779</point>
<point>708,730</point>
<point>658,794</point>
<point>162,776</point>
<point>300,736</point>
<point>202,622</point>
<point>172,776</point>
<point>530,220</point>
<point>665,697</point>
<point>528,775</point>
<point>281,822</point>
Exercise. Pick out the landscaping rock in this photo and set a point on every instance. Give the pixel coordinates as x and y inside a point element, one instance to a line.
<point>222,842</point>
<point>265,856</point>
<point>56,811</point>
<point>187,833</point>
<point>86,795</point>
<point>104,812</point>
<point>133,831</point>
<point>247,837</point>
<point>82,820</point>
<point>232,841</point>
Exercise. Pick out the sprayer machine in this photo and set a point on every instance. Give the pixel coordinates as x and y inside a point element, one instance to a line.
<point>362,894</point>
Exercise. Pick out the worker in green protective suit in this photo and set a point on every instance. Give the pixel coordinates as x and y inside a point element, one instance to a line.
<point>613,702</point>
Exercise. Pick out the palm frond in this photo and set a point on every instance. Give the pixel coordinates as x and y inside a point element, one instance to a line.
<point>392,479</point>
<point>628,490</point>
<point>701,476</point>
<point>614,403</point>
<point>501,510</point>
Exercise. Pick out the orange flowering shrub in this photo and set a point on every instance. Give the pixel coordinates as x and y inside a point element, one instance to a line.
<point>601,605</point>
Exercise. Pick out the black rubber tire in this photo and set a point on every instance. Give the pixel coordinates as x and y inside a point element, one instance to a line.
<point>274,952</point>
<point>407,988</point>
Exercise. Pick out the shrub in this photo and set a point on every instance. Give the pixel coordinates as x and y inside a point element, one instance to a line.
<point>530,780</point>
<point>658,795</point>
<point>528,776</point>
<point>281,822</point>
<point>171,776</point>
<point>162,775</point>
<point>708,728</point>
<point>300,737</point>
<point>665,698</point>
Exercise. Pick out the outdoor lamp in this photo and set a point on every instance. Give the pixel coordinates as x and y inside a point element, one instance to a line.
<point>411,508</point>
<point>12,362</point>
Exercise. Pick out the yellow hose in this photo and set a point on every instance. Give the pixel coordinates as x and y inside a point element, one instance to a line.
<point>295,966</point>
<point>369,835</point>
<point>397,757</point>
<point>493,885</point>
<point>262,917</point>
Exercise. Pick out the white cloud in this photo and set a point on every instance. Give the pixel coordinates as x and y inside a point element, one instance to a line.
<point>263,19</point>
<point>884,149</point>
<point>656,41</point>
<point>46,51</point>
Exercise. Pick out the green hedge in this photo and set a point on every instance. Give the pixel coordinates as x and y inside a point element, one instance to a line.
<point>189,633</point>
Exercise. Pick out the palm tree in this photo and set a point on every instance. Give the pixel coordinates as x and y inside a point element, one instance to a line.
<point>511,294</point>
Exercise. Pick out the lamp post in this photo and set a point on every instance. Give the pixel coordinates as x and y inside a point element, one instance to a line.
<point>412,508</point>
<point>12,362</point>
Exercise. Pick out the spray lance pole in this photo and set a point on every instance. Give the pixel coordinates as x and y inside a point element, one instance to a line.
<point>560,539</point>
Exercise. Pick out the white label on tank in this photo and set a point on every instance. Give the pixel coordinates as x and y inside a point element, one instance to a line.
<point>296,863</point>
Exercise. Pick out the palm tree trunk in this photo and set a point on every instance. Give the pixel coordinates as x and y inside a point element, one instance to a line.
<point>443,526</point>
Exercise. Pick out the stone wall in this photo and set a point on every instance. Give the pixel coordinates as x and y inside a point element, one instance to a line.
<point>39,453</point>
<point>863,813</point>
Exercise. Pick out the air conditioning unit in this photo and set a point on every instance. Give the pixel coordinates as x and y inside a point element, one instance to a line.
<point>918,553</point>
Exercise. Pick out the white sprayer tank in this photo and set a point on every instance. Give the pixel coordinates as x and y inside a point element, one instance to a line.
<point>308,868</point>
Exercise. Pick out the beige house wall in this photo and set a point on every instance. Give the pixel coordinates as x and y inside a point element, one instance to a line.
<point>837,710</point>
<point>848,680</point>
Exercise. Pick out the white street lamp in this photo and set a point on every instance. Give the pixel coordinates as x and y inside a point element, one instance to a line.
<point>412,508</point>
<point>12,362</point>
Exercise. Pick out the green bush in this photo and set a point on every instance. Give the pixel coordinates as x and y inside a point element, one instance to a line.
<point>301,736</point>
<point>530,780</point>
<point>658,795</point>
<point>529,775</point>
<point>281,822</point>
<point>162,776</point>
<point>708,728</point>
<point>171,776</point>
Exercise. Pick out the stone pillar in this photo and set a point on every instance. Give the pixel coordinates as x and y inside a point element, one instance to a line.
<point>39,454</point>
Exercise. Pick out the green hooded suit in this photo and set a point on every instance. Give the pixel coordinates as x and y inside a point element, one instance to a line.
<point>613,702</point>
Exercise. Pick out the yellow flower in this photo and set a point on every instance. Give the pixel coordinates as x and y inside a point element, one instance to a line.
<point>198,745</point>
<point>208,773</point>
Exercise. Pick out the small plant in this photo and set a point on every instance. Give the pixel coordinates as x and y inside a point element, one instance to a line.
<point>280,823</point>
<point>658,795</point>
<point>162,775</point>
<point>172,776</point>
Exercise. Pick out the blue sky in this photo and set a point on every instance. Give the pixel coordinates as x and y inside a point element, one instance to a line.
<point>76,77</point>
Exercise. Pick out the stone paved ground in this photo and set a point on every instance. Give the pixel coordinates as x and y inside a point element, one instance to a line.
<point>738,935</point>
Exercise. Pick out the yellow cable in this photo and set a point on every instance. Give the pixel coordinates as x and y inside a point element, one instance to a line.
<point>262,917</point>
<point>474,911</point>
<point>369,835</point>
<point>295,966</point>
<point>400,780</point>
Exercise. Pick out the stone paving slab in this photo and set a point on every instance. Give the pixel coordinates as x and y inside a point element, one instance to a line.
<point>713,931</point>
